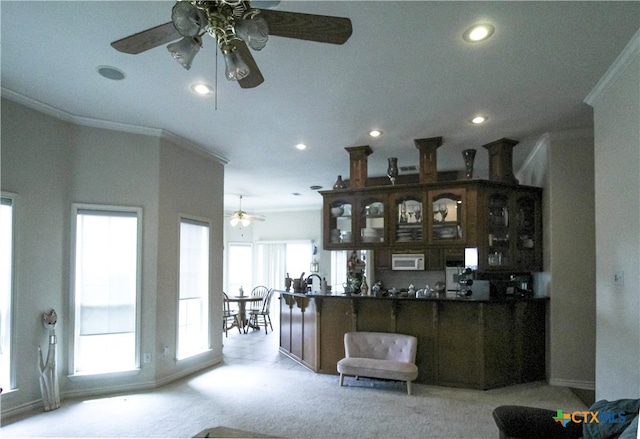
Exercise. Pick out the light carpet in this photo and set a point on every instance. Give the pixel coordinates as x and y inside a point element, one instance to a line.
<point>289,403</point>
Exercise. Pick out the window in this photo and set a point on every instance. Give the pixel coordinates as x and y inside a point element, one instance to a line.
<point>106,289</point>
<point>276,259</point>
<point>239,268</point>
<point>339,267</point>
<point>299,258</point>
<point>6,288</point>
<point>193,306</point>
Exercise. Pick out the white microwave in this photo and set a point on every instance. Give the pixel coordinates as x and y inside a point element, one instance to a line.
<point>409,261</point>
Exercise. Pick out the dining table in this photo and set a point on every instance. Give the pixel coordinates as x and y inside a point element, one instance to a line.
<point>242,310</point>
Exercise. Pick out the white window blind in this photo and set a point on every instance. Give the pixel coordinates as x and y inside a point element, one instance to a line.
<point>193,307</point>
<point>106,290</point>
<point>239,268</point>
<point>6,289</point>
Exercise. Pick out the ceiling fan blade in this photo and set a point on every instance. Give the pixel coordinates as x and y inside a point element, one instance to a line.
<point>147,39</point>
<point>255,217</point>
<point>255,77</point>
<point>320,28</point>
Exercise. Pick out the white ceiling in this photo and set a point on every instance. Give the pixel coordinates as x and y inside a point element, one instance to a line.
<point>405,70</point>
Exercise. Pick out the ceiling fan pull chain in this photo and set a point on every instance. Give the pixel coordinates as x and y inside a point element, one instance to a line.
<point>215,98</point>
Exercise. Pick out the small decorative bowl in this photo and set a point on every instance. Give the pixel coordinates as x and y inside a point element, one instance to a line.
<point>337,211</point>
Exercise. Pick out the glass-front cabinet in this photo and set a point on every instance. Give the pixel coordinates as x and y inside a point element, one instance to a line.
<point>503,221</point>
<point>513,231</point>
<point>528,232</point>
<point>338,222</point>
<point>498,238</point>
<point>371,222</point>
<point>354,221</point>
<point>447,217</point>
<point>407,218</point>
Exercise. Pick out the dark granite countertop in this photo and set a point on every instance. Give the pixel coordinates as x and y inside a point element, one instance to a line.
<point>439,298</point>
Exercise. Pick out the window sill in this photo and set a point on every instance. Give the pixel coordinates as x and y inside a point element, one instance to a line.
<point>103,375</point>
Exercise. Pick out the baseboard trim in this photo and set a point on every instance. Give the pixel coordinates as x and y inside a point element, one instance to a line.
<point>23,409</point>
<point>38,405</point>
<point>585,385</point>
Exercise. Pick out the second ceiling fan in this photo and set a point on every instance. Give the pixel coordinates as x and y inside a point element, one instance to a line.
<point>235,25</point>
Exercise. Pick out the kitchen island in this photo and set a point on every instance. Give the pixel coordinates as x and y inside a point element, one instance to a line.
<point>462,342</point>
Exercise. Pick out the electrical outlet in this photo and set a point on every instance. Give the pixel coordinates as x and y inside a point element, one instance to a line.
<point>146,357</point>
<point>618,278</point>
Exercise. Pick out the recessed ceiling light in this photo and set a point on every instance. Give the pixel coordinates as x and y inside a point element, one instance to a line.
<point>301,146</point>
<point>201,89</point>
<point>375,133</point>
<point>478,32</point>
<point>111,73</point>
<point>315,187</point>
<point>479,119</point>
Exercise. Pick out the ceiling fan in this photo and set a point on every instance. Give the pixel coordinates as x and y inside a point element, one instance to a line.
<point>236,26</point>
<point>242,217</point>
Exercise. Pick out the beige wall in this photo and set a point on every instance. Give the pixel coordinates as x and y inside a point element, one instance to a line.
<point>36,166</point>
<point>51,164</point>
<point>571,260</point>
<point>616,103</point>
<point>562,163</point>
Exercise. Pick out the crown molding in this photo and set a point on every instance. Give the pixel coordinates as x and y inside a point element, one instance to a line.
<point>621,63</point>
<point>108,125</point>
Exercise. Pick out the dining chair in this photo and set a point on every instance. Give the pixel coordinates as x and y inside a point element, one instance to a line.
<point>229,315</point>
<point>262,316</point>
<point>259,291</point>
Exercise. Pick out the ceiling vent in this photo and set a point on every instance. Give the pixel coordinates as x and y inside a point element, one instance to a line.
<point>408,168</point>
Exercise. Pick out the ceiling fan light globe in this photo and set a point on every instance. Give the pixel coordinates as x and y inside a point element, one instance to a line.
<point>185,50</point>
<point>236,68</point>
<point>234,221</point>
<point>187,19</point>
<point>245,222</point>
<point>253,31</point>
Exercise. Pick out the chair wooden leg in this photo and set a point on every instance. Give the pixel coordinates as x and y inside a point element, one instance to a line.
<point>270,325</point>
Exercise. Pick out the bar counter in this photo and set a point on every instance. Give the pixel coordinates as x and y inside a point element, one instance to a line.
<point>462,342</point>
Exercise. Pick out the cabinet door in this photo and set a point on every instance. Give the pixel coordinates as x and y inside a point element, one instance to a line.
<point>498,253</point>
<point>527,254</point>
<point>513,225</point>
<point>407,219</point>
<point>447,217</point>
<point>338,222</point>
<point>371,222</point>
